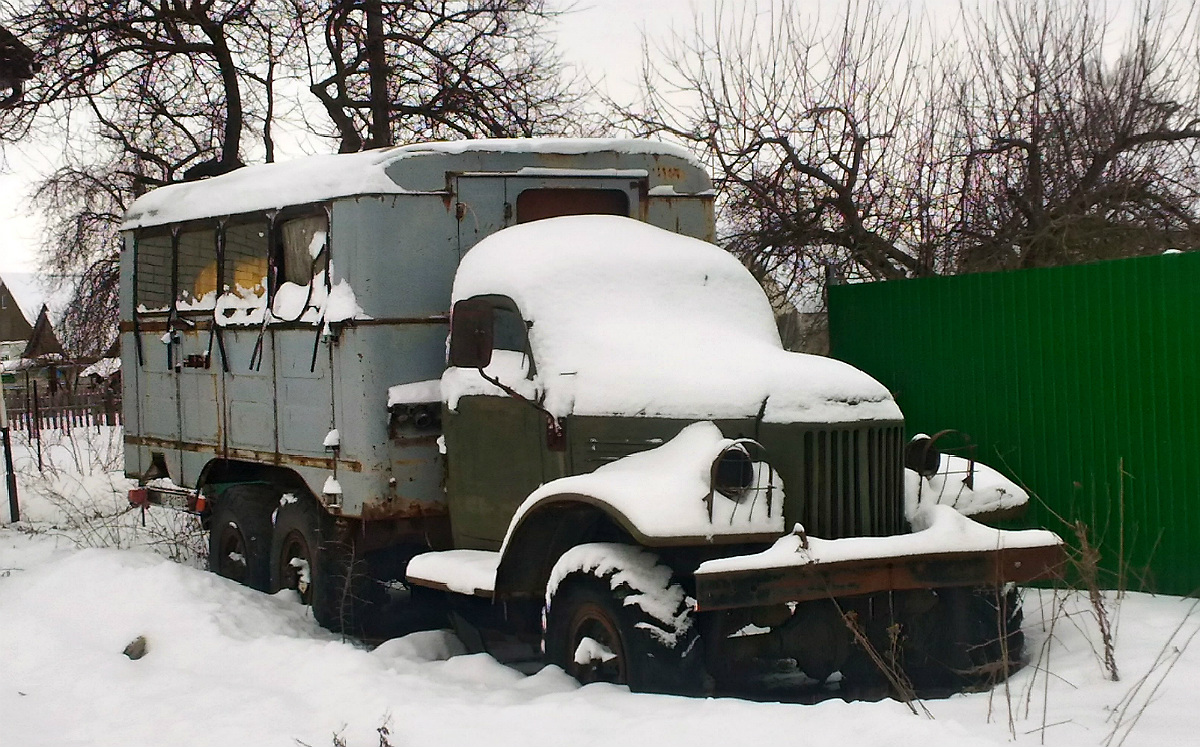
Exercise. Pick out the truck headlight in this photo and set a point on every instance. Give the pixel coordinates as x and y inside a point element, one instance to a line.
<point>741,475</point>
<point>733,472</point>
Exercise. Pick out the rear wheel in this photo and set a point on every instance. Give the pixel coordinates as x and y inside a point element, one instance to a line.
<point>616,616</point>
<point>307,558</point>
<point>240,535</point>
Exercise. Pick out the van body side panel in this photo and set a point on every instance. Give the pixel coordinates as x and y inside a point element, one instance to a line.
<point>399,256</point>
<point>270,395</point>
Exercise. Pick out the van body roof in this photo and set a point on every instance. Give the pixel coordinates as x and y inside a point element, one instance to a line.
<point>384,171</point>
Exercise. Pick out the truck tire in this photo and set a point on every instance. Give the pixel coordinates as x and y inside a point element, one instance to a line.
<point>306,557</point>
<point>971,640</point>
<point>597,632</point>
<point>239,539</point>
<point>998,643</point>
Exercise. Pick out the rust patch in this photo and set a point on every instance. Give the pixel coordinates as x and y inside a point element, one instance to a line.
<point>765,586</point>
<point>377,509</point>
<point>670,174</point>
<point>250,455</point>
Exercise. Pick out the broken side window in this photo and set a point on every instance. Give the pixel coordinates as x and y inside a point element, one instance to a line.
<point>510,332</point>
<point>196,269</point>
<point>153,288</point>
<point>301,242</point>
<point>246,252</point>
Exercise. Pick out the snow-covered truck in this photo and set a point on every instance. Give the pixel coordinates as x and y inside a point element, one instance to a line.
<point>602,452</point>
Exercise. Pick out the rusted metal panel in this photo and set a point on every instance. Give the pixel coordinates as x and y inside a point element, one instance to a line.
<point>249,455</point>
<point>761,587</point>
<point>399,508</point>
<point>547,202</point>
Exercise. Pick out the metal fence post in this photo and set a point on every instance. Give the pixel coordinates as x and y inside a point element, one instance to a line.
<point>36,430</point>
<point>10,476</point>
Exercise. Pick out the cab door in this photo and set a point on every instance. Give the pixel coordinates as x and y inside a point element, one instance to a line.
<point>496,434</point>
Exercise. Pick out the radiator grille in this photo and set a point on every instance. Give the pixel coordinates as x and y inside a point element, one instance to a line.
<point>850,482</point>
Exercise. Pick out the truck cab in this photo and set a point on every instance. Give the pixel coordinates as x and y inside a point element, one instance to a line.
<point>618,405</point>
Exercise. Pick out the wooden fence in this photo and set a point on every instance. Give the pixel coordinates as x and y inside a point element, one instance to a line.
<point>34,410</point>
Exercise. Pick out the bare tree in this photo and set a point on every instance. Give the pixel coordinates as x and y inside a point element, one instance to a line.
<point>873,147</point>
<point>818,135</point>
<point>150,92</point>
<point>388,71</point>
<point>18,64</point>
<point>163,80</point>
<point>84,206</point>
<point>1078,145</point>
<point>144,93</point>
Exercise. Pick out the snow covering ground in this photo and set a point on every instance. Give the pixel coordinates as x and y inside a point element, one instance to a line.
<point>228,666</point>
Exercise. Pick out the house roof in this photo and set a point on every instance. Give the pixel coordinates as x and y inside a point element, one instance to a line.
<point>42,341</point>
<point>33,290</point>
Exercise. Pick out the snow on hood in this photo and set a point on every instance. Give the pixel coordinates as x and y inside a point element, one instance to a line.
<point>629,319</point>
<point>325,177</point>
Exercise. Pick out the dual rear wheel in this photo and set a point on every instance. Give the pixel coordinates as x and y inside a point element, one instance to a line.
<point>270,544</point>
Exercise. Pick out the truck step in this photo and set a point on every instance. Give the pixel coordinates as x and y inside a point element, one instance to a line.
<point>471,572</point>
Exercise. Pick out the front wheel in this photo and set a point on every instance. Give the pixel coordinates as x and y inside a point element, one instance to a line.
<point>614,614</point>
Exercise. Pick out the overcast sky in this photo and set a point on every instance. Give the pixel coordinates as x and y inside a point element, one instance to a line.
<point>603,37</point>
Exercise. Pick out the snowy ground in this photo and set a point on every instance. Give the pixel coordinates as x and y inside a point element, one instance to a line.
<point>229,666</point>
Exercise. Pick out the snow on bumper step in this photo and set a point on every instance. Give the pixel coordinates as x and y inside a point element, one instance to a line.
<point>948,550</point>
<point>461,571</point>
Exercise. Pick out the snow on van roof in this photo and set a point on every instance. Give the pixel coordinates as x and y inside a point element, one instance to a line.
<point>629,319</point>
<point>316,178</point>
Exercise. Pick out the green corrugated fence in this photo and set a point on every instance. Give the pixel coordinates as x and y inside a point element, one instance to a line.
<point>1081,382</point>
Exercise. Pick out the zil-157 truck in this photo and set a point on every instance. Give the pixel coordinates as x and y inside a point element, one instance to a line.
<point>511,384</point>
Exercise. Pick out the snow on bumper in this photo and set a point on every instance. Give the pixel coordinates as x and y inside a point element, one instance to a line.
<point>948,550</point>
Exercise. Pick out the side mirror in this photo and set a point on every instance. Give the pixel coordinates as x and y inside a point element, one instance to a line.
<point>471,333</point>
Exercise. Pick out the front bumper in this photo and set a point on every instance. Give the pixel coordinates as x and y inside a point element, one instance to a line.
<point>760,587</point>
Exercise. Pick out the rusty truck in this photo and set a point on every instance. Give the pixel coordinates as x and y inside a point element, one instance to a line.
<point>513,385</point>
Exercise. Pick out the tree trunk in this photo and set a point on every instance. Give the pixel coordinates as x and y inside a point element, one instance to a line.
<point>381,125</point>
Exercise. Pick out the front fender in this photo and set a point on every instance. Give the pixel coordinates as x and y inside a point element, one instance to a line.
<point>545,528</point>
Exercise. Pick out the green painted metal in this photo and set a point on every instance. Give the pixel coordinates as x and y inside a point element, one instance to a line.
<point>1080,382</point>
